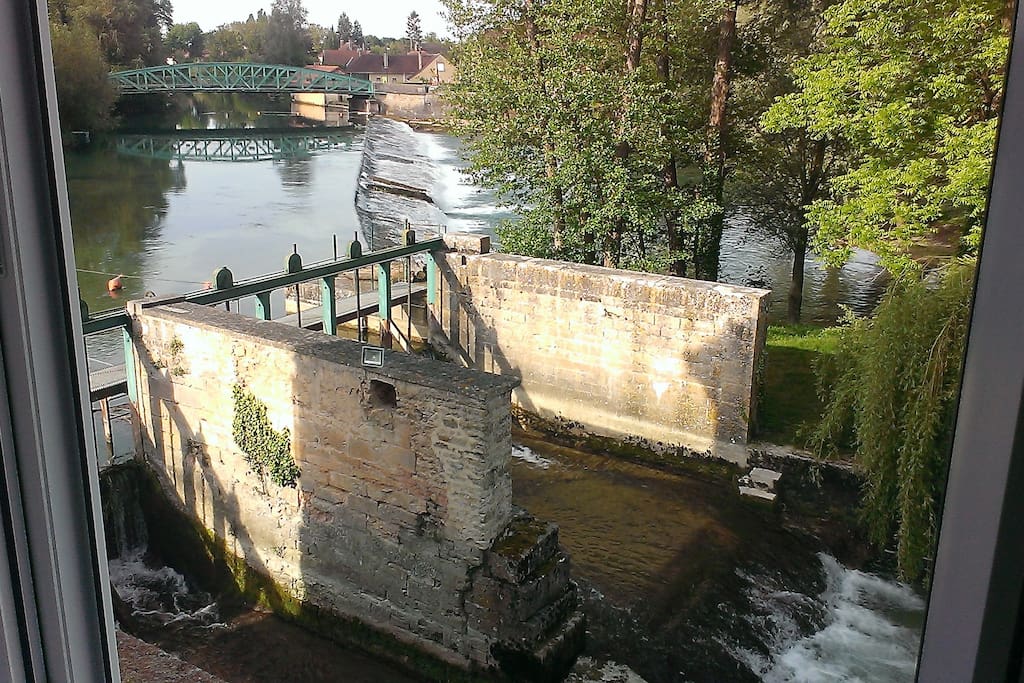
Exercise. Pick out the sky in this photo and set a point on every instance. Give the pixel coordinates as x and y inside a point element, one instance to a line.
<point>380,18</point>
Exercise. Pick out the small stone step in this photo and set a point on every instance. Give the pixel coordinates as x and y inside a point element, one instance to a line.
<point>764,478</point>
<point>526,545</point>
<point>757,493</point>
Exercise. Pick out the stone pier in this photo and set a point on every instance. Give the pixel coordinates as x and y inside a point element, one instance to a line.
<point>376,494</point>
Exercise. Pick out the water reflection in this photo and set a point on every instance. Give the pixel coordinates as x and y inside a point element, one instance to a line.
<point>751,257</point>
<point>117,208</point>
<point>231,146</point>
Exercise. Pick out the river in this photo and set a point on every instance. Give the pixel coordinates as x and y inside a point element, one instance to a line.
<point>166,207</point>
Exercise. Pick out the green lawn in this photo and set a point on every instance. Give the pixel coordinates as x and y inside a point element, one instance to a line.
<point>789,399</point>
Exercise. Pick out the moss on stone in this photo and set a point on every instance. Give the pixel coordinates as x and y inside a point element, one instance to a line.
<point>641,451</point>
<point>194,550</point>
<point>521,535</point>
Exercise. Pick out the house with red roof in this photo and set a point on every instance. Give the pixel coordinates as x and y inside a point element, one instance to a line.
<point>340,57</point>
<point>415,67</point>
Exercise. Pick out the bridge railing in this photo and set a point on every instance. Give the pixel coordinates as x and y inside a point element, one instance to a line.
<point>237,76</point>
<point>225,290</point>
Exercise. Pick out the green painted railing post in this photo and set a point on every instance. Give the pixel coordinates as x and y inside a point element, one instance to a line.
<point>263,305</point>
<point>129,366</point>
<point>329,305</point>
<point>384,303</point>
<point>223,279</point>
<point>431,280</point>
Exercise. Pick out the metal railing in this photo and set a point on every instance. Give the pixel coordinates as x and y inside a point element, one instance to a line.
<point>237,77</point>
<point>225,290</point>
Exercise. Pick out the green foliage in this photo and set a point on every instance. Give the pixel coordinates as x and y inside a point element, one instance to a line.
<point>322,38</point>
<point>226,44</point>
<point>891,391</point>
<point>85,97</point>
<point>344,28</point>
<point>414,30</point>
<point>185,41</point>
<point>914,90</point>
<point>268,451</point>
<point>575,137</point>
<point>287,39</point>
<point>130,31</point>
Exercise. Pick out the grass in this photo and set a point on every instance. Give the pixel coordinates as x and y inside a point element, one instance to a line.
<point>789,399</point>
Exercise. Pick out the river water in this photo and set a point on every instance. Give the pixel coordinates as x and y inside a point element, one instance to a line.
<point>167,208</point>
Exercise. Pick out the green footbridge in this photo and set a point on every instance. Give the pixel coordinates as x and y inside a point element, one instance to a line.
<point>237,77</point>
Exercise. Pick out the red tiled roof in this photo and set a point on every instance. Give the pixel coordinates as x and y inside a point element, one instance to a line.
<point>405,65</point>
<point>339,57</point>
<point>326,67</point>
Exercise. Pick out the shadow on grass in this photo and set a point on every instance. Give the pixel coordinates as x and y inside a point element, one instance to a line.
<point>789,399</point>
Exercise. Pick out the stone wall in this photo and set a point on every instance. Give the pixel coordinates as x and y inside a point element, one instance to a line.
<point>403,500</point>
<point>666,360</point>
<point>414,107</point>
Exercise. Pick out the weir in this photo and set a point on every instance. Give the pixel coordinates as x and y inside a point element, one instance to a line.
<point>666,363</point>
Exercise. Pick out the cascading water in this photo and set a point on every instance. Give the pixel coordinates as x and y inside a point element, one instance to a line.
<point>395,184</point>
<point>871,632</point>
<point>763,607</point>
<point>158,596</point>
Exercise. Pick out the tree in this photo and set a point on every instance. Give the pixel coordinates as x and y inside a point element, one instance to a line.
<point>892,391</point>
<point>916,100</point>
<point>322,38</point>
<point>776,174</point>
<point>185,40</point>
<point>84,94</point>
<point>414,31</point>
<point>357,34</point>
<point>914,90</point>
<point>287,36</point>
<point>566,116</point>
<point>130,31</point>
<point>226,44</point>
<point>707,242</point>
<point>344,28</point>
<point>254,32</point>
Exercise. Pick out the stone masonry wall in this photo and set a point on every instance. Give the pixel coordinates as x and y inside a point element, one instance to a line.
<point>417,107</point>
<point>404,484</point>
<point>624,354</point>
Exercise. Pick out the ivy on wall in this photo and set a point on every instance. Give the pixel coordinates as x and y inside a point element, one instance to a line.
<point>268,451</point>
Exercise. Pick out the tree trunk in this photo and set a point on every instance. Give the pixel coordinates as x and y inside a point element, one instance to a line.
<point>813,179</point>
<point>550,160</point>
<point>670,175</point>
<point>637,10</point>
<point>714,151</point>
<point>796,287</point>
<point>557,198</point>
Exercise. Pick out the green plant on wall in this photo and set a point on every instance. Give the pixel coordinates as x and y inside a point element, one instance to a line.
<point>268,451</point>
<point>176,346</point>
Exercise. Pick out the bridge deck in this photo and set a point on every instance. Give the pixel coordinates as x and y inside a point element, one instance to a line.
<point>107,382</point>
<point>112,381</point>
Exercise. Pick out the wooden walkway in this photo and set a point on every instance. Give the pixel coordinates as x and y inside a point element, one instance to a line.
<point>107,382</point>
<point>111,381</point>
<point>346,310</point>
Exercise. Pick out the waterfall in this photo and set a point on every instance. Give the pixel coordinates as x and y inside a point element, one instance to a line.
<point>395,184</point>
<point>157,595</point>
<point>123,520</point>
